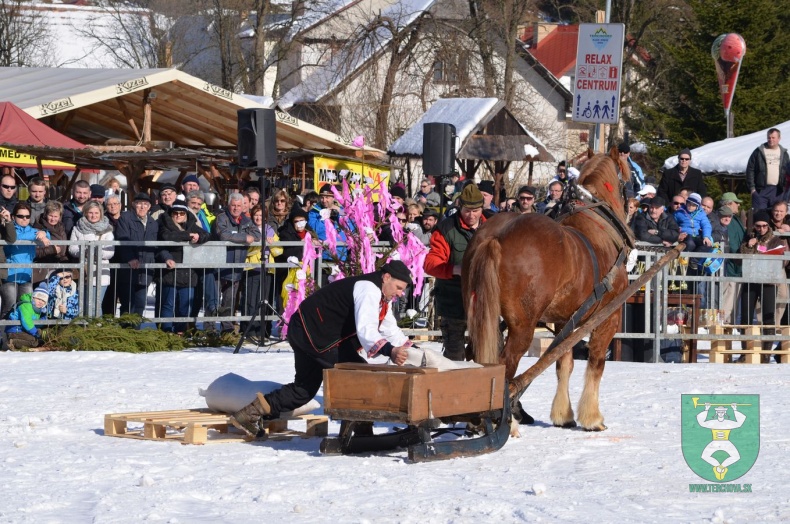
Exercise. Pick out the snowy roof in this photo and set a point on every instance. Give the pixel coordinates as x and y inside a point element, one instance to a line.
<point>469,116</point>
<point>67,25</point>
<point>187,111</point>
<point>325,78</point>
<point>728,156</point>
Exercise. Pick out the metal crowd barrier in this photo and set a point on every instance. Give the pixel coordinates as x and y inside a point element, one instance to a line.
<point>648,316</point>
<point>203,258</point>
<point>678,306</point>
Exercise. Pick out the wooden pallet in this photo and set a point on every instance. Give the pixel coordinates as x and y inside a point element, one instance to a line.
<point>191,426</point>
<point>721,351</point>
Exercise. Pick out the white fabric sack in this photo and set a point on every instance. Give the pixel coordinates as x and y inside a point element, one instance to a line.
<point>434,359</point>
<point>229,393</point>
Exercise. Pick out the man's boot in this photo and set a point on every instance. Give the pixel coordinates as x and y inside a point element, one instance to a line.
<point>248,418</point>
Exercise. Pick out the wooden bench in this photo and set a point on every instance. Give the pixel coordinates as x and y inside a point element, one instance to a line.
<point>721,351</point>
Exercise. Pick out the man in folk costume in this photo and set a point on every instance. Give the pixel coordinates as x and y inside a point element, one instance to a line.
<point>331,326</point>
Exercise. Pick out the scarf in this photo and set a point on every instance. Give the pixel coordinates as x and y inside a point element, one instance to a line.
<point>99,228</point>
<point>62,295</point>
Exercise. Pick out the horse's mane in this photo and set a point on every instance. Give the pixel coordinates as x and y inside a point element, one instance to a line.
<point>600,176</point>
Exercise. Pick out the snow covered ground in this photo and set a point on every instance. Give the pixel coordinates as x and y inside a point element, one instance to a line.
<point>56,465</point>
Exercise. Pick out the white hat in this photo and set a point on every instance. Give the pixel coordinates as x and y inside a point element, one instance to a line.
<point>647,189</point>
<point>721,409</point>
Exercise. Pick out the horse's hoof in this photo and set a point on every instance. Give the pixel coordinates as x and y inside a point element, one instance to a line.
<point>522,416</point>
<point>566,425</point>
<point>599,427</point>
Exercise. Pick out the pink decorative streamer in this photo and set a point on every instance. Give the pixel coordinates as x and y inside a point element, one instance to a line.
<point>359,225</point>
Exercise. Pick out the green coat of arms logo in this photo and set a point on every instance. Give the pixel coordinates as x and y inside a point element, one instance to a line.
<point>720,434</point>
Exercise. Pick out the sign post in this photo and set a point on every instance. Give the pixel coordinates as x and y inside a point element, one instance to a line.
<point>599,69</point>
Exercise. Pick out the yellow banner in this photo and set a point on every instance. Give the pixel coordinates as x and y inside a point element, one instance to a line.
<point>9,157</point>
<point>334,170</point>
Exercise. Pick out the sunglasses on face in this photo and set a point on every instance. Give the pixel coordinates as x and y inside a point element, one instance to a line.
<point>23,216</point>
<point>8,187</point>
<point>677,203</point>
<point>179,213</point>
<point>526,198</point>
<point>684,158</point>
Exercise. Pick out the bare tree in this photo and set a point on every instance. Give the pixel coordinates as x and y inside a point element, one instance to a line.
<point>495,25</point>
<point>135,33</point>
<point>24,38</point>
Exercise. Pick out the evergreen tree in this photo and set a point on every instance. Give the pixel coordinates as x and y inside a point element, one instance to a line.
<point>683,107</point>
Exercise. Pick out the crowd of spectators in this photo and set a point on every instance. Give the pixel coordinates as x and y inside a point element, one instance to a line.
<point>675,209</point>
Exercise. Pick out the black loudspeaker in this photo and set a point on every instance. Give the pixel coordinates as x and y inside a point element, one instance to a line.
<point>257,138</point>
<point>438,149</point>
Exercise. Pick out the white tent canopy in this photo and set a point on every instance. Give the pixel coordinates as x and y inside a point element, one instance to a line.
<point>728,156</point>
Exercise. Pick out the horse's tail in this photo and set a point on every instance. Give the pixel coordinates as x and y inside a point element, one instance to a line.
<point>482,307</point>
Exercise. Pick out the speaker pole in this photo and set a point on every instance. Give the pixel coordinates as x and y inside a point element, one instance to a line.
<point>267,134</point>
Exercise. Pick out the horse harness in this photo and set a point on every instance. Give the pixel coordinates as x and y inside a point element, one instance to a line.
<point>572,196</point>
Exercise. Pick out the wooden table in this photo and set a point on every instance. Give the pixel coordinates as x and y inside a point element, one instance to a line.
<point>673,299</point>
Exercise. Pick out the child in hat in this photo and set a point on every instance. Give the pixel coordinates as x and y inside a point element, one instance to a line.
<point>30,308</point>
<point>64,299</point>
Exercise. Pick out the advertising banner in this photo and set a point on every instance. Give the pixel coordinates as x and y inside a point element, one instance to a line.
<point>334,170</point>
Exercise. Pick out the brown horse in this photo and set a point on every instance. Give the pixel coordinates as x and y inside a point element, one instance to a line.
<point>531,268</point>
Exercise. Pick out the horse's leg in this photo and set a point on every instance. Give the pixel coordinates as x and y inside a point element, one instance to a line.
<point>590,417</point>
<point>561,410</point>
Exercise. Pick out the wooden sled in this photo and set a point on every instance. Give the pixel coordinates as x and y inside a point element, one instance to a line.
<point>421,398</point>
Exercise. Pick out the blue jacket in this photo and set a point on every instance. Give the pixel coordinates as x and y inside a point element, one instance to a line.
<point>318,225</point>
<point>15,254</point>
<point>695,224</point>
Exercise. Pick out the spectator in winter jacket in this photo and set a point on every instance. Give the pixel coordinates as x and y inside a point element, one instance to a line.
<point>327,208</point>
<point>178,283</point>
<point>8,194</point>
<point>766,170</point>
<point>233,226</point>
<point>656,226</point>
<point>51,222</point>
<point>94,225</point>
<point>637,179</point>
<point>695,229</point>
<point>31,307</point>
<point>64,298</point>
<point>136,226</point>
<point>72,210</point>
<point>37,191</point>
<point>682,176</point>
<point>448,245</point>
<point>20,279</point>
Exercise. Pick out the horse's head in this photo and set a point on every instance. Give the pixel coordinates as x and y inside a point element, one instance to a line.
<point>605,177</point>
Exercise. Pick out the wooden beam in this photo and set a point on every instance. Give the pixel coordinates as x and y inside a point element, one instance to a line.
<point>128,117</point>
<point>147,115</point>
